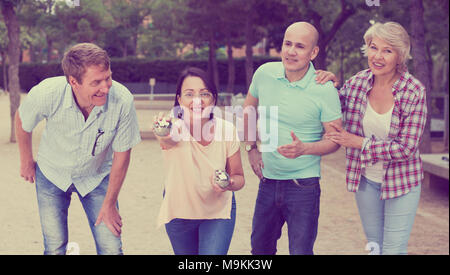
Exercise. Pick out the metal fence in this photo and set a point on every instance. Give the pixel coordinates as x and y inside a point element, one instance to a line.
<point>166,91</point>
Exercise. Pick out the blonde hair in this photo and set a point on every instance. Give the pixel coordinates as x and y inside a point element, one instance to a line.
<point>81,56</point>
<point>395,35</point>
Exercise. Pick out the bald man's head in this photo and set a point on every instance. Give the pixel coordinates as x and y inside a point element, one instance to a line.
<point>299,49</point>
<point>305,27</point>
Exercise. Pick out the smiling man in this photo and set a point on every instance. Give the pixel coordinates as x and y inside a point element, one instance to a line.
<point>289,190</point>
<point>91,126</point>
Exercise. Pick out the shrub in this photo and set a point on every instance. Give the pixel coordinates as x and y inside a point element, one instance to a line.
<point>137,70</point>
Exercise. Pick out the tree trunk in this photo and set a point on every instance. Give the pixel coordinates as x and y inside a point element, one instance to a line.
<point>212,63</point>
<point>320,60</point>
<point>134,42</point>
<point>325,37</point>
<point>32,53</point>
<point>419,54</point>
<point>342,66</point>
<point>124,49</point>
<point>5,73</point>
<point>248,52</point>
<point>231,69</point>
<point>194,52</point>
<point>12,25</point>
<point>266,47</point>
<point>49,50</point>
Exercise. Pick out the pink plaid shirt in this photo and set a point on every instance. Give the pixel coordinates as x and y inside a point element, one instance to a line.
<point>400,153</point>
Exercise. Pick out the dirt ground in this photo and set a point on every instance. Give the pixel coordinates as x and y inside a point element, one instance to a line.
<point>340,230</point>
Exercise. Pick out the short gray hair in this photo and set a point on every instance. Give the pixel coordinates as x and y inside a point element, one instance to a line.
<point>395,35</point>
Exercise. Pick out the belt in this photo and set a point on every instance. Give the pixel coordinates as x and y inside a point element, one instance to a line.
<point>296,181</point>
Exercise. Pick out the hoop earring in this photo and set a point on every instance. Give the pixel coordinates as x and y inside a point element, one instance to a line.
<point>180,114</point>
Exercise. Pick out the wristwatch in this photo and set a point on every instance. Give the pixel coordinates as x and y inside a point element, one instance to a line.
<point>249,147</point>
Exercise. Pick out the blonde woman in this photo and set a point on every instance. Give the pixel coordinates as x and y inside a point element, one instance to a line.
<point>384,110</point>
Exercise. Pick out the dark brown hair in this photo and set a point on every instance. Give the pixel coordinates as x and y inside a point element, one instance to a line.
<point>193,71</point>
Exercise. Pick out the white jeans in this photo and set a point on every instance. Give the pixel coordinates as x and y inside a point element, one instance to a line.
<point>387,223</point>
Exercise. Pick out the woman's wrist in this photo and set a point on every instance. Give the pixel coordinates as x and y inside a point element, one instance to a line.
<point>359,142</point>
<point>235,183</point>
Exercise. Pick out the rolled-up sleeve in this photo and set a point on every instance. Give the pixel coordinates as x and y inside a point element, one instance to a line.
<point>331,106</point>
<point>34,108</point>
<point>407,141</point>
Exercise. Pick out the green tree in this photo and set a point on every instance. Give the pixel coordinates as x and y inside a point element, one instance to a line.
<point>8,8</point>
<point>436,18</point>
<point>419,51</point>
<point>197,23</point>
<point>128,17</point>
<point>153,44</point>
<point>328,17</point>
<point>204,17</point>
<point>344,54</point>
<point>231,18</point>
<point>85,23</point>
<point>165,35</point>
<point>256,24</point>
<point>42,28</point>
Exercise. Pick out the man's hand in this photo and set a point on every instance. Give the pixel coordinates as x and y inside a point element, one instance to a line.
<point>110,216</point>
<point>109,213</point>
<point>255,159</point>
<point>293,150</point>
<point>24,140</point>
<point>28,171</point>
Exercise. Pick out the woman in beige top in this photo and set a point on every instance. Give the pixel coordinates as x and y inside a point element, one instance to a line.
<point>199,215</point>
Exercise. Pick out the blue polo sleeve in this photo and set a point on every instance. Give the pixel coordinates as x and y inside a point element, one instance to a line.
<point>253,89</point>
<point>330,103</point>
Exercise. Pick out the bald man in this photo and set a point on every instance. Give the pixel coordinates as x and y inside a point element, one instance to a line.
<point>288,165</point>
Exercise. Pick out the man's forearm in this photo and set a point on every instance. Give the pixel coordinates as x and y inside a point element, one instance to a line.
<point>119,169</point>
<point>250,130</point>
<point>24,140</point>
<point>320,148</point>
<point>250,116</point>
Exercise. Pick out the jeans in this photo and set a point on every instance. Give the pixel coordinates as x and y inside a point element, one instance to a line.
<point>295,202</point>
<point>53,208</point>
<point>202,237</point>
<point>386,223</point>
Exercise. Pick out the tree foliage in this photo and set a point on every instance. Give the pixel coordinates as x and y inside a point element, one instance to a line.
<point>179,29</point>
<point>199,29</point>
<point>49,27</point>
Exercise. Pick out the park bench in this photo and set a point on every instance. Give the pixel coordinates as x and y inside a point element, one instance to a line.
<point>435,168</point>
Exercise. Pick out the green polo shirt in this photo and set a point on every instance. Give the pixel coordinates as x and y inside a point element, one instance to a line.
<point>284,106</point>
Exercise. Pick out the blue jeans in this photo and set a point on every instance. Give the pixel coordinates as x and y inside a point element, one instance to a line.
<point>202,237</point>
<point>53,208</point>
<point>387,223</point>
<point>294,202</point>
